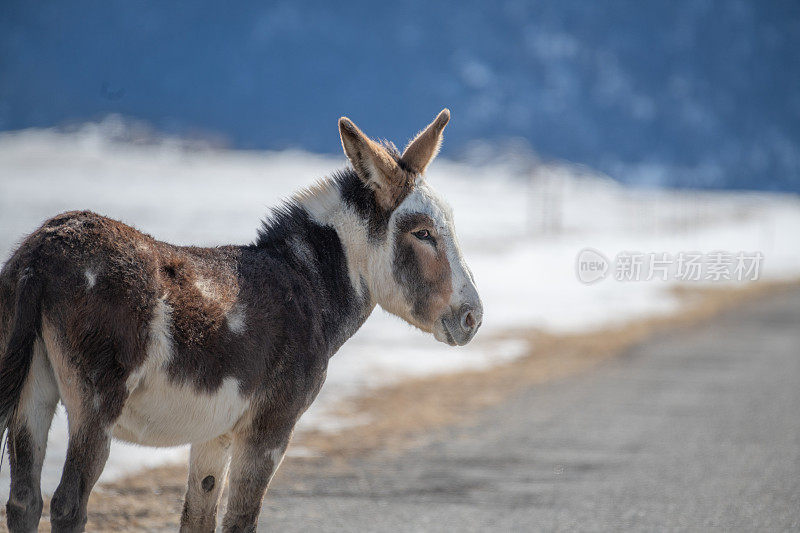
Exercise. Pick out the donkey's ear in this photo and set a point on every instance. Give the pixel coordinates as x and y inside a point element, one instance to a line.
<point>373,164</point>
<point>421,151</point>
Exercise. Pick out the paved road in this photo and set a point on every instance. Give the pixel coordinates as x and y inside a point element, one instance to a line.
<point>698,429</point>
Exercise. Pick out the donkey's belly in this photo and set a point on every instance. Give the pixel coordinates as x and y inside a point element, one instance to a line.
<point>160,413</point>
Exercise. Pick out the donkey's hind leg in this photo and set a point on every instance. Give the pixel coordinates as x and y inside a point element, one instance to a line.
<point>87,453</point>
<point>208,466</point>
<point>27,439</point>
<point>92,410</point>
<point>91,422</point>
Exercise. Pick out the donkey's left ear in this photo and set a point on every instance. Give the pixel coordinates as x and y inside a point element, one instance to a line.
<point>421,151</point>
<point>375,167</point>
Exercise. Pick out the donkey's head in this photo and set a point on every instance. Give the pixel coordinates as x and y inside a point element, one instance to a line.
<point>413,263</point>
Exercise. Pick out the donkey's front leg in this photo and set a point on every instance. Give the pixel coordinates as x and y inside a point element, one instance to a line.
<point>208,464</point>
<point>255,458</point>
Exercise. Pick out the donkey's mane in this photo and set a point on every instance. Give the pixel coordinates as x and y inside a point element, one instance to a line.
<point>285,219</point>
<point>292,213</point>
<point>279,223</point>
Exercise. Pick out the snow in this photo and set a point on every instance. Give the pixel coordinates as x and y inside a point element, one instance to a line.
<point>520,230</point>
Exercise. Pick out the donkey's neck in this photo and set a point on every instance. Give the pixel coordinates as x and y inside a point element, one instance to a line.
<point>345,205</point>
<point>324,238</point>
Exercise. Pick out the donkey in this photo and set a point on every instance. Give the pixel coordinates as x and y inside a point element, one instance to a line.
<point>221,348</point>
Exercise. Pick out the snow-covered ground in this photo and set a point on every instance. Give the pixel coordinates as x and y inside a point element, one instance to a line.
<point>521,232</point>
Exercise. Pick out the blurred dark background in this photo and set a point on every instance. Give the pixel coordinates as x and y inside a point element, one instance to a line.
<point>661,93</point>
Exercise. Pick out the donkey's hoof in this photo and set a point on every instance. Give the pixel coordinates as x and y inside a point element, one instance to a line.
<point>241,524</point>
<point>66,515</point>
<point>23,516</point>
<point>68,526</point>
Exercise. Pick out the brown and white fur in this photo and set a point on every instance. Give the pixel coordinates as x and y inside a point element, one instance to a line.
<point>223,348</point>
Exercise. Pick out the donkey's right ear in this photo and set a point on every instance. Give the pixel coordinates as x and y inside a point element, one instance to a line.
<point>373,164</point>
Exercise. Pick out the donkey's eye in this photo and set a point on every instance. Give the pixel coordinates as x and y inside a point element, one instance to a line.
<point>423,235</point>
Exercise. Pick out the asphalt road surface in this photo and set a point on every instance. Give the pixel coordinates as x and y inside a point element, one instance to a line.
<point>697,429</point>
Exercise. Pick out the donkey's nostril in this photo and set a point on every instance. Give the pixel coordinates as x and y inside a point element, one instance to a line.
<point>469,320</point>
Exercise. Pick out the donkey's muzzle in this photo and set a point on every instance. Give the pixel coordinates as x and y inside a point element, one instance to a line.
<point>462,323</point>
